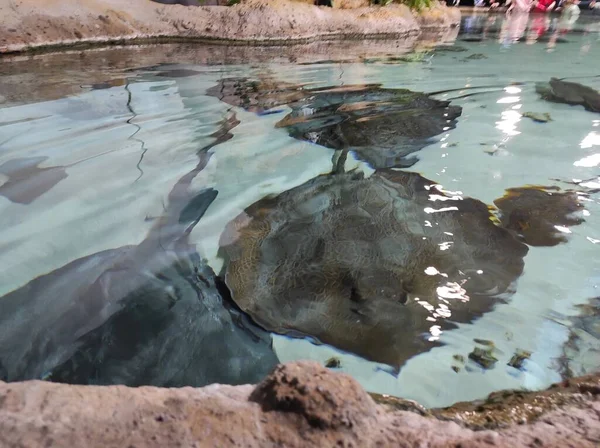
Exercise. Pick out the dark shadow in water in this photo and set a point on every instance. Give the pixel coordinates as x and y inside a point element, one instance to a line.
<point>533,212</point>
<point>581,352</point>
<point>381,126</point>
<point>178,2</point>
<point>371,266</point>
<point>107,84</point>
<point>26,181</point>
<point>575,94</point>
<point>136,315</point>
<point>178,73</point>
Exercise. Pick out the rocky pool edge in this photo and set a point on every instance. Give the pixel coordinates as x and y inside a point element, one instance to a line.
<point>300,404</point>
<point>30,25</point>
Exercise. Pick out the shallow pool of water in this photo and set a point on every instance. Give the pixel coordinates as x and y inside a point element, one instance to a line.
<point>116,171</point>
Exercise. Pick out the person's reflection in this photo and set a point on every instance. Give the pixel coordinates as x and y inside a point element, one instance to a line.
<point>539,26</point>
<point>489,24</point>
<point>513,27</point>
<point>566,22</point>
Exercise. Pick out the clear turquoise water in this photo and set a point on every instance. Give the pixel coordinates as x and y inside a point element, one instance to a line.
<point>96,167</point>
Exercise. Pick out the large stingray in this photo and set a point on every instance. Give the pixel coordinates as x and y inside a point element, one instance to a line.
<point>559,91</point>
<point>374,266</point>
<point>540,215</point>
<point>146,314</point>
<point>382,126</point>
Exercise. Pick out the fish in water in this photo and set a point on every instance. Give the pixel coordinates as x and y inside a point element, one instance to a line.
<point>572,93</point>
<point>26,181</point>
<point>381,126</point>
<point>540,215</point>
<point>173,330</point>
<point>138,315</point>
<point>581,351</point>
<point>375,266</point>
<point>151,314</point>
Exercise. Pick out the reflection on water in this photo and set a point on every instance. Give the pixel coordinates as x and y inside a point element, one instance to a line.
<point>118,186</point>
<point>25,181</point>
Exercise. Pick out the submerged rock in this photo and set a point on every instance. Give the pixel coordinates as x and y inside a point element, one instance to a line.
<point>572,93</point>
<point>333,363</point>
<point>518,359</point>
<point>540,215</point>
<point>475,56</point>
<point>377,266</point>
<point>483,357</point>
<point>381,126</point>
<point>538,117</point>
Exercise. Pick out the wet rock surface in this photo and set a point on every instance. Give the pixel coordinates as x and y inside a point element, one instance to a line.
<point>375,266</point>
<point>300,404</point>
<point>511,407</point>
<point>293,388</point>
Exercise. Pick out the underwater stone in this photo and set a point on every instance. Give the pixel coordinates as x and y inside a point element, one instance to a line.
<point>483,358</point>
<point>373,266</point>
<point>538,117</point>
<point>333,363</point>
<point>519,358</point>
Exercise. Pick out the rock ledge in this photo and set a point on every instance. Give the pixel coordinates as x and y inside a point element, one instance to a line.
<point>299,404</point>
<point>42,24</point>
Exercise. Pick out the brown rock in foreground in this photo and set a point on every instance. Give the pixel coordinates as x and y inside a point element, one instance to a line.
<point>299,405</point>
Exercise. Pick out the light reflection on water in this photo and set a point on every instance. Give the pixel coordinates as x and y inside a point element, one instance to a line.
<point>105,160</point>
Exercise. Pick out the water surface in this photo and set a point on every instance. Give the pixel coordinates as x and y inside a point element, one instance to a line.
<point>118,183</point>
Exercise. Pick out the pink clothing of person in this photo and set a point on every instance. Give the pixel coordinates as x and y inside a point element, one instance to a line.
<point>521,6</point>
<point>544,5</point>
